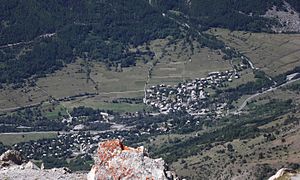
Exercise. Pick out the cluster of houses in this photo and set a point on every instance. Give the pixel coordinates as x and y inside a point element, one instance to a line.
<point>191,97</point>
<point>64,146</point>
<point>68,145</point>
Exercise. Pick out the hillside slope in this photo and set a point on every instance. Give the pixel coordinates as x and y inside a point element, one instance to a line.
<point>231,14</point>
<point>39,37</point>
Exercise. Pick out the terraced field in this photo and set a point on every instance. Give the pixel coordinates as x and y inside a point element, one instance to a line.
<point>273,53</point>
<point>181,61</point>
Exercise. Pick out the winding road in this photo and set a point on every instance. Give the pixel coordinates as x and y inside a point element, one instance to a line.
<point>244,104</point>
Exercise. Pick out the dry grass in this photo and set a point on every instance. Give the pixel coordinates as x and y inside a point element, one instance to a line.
<point>129,79</point>
<point>177,63</point>
<point>71,80</point>
<point>11,98</point>
<point>273,53</point>
<point>13,138</point>
<point>98,104</point>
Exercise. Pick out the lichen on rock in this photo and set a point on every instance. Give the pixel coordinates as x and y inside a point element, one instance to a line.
<point>116,161</point>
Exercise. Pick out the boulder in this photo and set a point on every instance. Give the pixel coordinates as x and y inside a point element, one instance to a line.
<point>116,161</point>
<point>12,156</point>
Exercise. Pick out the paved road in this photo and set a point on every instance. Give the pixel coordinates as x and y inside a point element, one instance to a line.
<point>264,92</point>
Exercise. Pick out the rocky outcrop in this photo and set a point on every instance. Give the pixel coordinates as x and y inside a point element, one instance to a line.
<point>27,172</point>
<point>116,161</point>
<point>287,174</point>
<point>13,166</point>
<point>289,19</point>
<point>113,161</point>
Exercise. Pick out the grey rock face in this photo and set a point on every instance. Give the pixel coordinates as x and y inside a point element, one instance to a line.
<point>116,161</point>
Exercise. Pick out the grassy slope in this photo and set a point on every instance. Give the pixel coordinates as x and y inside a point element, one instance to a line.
<point>178,62</point>
<point>273,53</point>
<point>10,139</point>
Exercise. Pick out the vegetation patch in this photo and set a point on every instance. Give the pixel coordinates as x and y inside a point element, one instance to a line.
<point>274,54</point>
<point>14,138</point>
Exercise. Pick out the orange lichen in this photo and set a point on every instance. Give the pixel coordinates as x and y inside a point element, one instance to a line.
<point>110,149</point>
<point>117,161</point>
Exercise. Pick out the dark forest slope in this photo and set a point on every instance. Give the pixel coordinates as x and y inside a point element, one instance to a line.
<point>100,30</point>
<point>104,30</point>
<point>232,14</point>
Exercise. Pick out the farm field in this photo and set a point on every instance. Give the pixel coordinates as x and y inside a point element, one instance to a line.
<point>129,79</point>
<point>272,53</point>
<point>52,111</point>
<point>282,93</point>
<point>98,104</point>
<point>180,61</point>
<point>70,81</point>
<point>11,98</point>
<point>13,138</point>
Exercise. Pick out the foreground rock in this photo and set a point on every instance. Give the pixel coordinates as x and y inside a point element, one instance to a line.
<point>116,161</point>
<point>13,166</point>
<point>23,173</point>
<point>11,157</point>
<point>113,161</point>
<point>287,174</point>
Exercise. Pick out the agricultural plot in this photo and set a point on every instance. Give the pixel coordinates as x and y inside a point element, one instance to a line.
<point>71,80</point>
<point>53,111</point>
<point>11,99</point>
<point>13,138</point>
<point>205,61</point>
<point>98,104</point>
<point>128,79</point>
<point>273,53</point>
<point>282,93</point>
<point>182,61</point>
